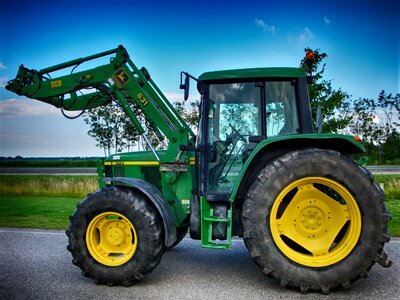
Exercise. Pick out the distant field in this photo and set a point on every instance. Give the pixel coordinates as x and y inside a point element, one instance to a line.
<point>49,163</point>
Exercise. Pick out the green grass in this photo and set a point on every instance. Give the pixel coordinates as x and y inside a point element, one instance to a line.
<point>394,224</point>
<point>391,185</point>
<point>47,185</point>
<point>36,212</point>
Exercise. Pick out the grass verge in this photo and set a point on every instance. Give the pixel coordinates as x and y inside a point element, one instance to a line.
<point>53,213</point>
<point>36,212</point>
<point>46,201</point>
<point>390,184</point>
<point>394,224</point>
<point>73,186</point>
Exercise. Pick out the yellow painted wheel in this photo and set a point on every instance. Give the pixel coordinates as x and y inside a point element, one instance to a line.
<point>116,236</point>
<point>111,239</point>
<point>315,221</point>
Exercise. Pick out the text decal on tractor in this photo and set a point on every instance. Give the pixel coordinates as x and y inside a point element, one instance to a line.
<point>311,217</point>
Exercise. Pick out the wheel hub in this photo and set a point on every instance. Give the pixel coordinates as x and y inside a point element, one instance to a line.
<point>312,218</point>
<point>115,236</point>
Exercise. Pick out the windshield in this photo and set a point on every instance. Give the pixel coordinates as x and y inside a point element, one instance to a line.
<point>237,111</point>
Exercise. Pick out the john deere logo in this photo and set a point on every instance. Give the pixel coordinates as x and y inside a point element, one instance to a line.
<point>120,77</point>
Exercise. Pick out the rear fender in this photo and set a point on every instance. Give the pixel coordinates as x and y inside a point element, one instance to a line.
<point>156,198</point>
<point>271,148</point>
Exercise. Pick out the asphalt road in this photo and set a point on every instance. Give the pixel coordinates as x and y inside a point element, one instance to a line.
<point>36,265</point>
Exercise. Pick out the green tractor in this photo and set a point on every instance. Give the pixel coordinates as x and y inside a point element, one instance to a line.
<point>311,217</point>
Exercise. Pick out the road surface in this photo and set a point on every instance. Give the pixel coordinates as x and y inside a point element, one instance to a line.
<point>35,264</point>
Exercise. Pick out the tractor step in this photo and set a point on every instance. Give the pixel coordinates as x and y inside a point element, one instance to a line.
<point>208,221</point>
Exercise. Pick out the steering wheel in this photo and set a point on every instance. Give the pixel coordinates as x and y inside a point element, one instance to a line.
<point>236,134</point>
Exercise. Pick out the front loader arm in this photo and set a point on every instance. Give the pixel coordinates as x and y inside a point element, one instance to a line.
<point>68,92</point>
<point>119,80</point>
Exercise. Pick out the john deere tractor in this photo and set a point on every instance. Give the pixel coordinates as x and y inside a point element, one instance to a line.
<point>310,215</point>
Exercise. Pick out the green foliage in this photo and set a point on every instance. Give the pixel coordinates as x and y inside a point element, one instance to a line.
<point>114,131</point>
<point>334,103</point>
<point>391,148</point>
<point>190,113</point>
<point>377,122</point>
<point>36,212</point>
<point>111,128</point>
<point>47,185</point>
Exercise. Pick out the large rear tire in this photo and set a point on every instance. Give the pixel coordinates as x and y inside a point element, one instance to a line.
<point>115,236</point>
<point>315,220</point>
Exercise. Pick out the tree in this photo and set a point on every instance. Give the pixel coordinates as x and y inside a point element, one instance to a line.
<point>391,148</point>
<point>189,113</point>
<point>114,131</point>
<point>334,103</point>
<point>377,122</point>
<point>111,128</point>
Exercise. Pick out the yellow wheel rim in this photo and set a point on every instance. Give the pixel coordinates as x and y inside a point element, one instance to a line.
<point>315,222</point>
<point>111,239</point>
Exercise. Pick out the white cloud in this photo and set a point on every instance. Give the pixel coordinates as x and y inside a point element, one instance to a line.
<point>174,97</point>
<point>305,36</point>
<point>2,66</point>
<point>3,81</point>
<point>327,21</point>
<point>265,27</point>
<point>12,108</point>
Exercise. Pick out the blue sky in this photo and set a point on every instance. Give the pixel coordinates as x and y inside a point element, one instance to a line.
<point>361,39</point>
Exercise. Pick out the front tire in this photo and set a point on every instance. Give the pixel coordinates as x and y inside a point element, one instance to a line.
<point>315,220</point>
<point>115,236</point>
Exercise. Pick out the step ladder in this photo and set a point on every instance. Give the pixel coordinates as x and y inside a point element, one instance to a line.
<point>208,220</point>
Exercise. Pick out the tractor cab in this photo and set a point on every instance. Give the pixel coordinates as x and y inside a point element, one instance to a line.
<point>241,108</point>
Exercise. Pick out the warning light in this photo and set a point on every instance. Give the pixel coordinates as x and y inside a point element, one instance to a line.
<point>310,55</point>
<point>310,58</point>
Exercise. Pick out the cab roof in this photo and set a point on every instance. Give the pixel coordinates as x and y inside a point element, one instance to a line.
<point>283,72</point>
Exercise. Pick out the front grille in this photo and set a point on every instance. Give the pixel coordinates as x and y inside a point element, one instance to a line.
<point>152,175</point>
<point>119,172</point>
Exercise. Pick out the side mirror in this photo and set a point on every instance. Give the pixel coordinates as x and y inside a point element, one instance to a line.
<point>185,86</point>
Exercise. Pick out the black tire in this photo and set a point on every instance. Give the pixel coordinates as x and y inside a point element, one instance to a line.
<point>119,206</point>
<point>262,214</point>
